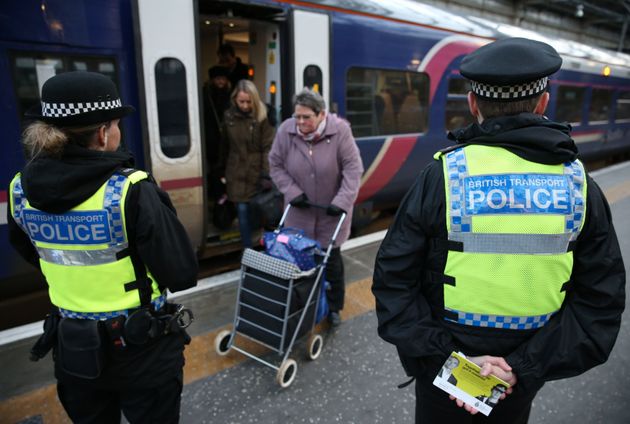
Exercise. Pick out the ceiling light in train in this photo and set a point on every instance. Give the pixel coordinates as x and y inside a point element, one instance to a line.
<point>208,22</point>
<point>579,11</point>
<point>231,25</point>
<point>606,71</point>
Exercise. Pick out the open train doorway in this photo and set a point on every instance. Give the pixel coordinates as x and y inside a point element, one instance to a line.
<point>230,39</point>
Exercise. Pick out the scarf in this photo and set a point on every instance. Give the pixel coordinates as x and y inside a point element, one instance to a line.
<point>315,135</point>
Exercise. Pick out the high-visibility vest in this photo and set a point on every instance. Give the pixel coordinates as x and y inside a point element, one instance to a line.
<point>83,253</point>
<point>512,225</point>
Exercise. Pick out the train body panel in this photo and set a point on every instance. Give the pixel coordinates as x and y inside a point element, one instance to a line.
<point>389,68</point>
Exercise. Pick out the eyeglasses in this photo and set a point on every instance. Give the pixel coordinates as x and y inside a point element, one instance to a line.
<point>303,117</point>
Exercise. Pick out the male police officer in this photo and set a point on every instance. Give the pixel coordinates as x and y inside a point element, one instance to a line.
<point>504,247</point>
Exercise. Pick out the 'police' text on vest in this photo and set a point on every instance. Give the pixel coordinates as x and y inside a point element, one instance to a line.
<point>84,227</point>
<point>517,193</point>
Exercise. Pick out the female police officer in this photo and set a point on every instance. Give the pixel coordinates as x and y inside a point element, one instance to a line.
<point>109,244</point>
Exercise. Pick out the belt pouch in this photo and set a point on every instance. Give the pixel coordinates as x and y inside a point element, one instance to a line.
<point>80,351</point>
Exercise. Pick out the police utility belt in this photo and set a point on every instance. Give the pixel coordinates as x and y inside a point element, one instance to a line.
<point>82,339</point>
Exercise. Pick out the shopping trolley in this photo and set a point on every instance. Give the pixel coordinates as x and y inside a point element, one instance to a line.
<point>276,305</point>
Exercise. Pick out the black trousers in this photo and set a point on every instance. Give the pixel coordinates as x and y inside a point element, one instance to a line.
<point>93,405</point>
<point>434,406</point>
<point>335,276</point>
<point>144,382</point>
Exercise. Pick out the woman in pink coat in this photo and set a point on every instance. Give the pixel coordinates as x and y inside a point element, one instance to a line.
<point>314,158</point>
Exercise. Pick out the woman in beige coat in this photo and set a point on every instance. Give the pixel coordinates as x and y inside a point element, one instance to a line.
<point>249,136</point>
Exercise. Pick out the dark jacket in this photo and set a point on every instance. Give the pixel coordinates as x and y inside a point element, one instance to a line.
<point>216,102</point>
<point>57,185</point>
<point>238,72</point>
<point>248,147</point>
<point>409,301</point>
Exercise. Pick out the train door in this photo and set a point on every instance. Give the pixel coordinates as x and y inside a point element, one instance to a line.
<point>311,44</point>
<point>254,36</point>
<point>166,33</point>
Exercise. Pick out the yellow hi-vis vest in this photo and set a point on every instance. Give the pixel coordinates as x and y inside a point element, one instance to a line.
<point>83,253</point>
<point>512,225</point>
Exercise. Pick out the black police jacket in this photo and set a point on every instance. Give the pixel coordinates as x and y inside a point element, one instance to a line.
<point>154,232</point>
<point>56,185</point>
<point>409,303</point>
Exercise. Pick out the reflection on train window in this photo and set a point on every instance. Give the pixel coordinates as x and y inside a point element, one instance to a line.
<point>569,104</point>
<point>457,114</point>
<point>623,106</point>
<point>458,86</point>
<point>31,70</point>
<point>599,110</point>
<point>380,102</point>
<point>172,104</point>
<point>313,79</point>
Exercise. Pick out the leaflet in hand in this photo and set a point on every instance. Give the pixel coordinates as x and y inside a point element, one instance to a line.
<point>460,378</point>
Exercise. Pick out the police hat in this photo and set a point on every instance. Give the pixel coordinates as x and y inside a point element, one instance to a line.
<point>218,71</point>
<point>510,68</point>
<point>79,98</point>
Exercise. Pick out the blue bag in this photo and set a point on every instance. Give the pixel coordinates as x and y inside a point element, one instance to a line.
<point>322,307</point>
<point>291,245</point>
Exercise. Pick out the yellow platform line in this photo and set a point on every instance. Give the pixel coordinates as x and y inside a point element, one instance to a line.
<point>617,192</point>
<point>201,362</point>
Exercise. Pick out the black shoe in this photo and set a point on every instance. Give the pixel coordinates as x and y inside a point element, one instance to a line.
<point>334,319</point>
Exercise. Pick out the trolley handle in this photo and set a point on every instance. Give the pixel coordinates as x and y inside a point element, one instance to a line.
<point>342,218</point>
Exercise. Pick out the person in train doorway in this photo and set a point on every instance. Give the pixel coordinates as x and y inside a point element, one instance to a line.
<point>314,158</point>
<point>249,136</point>
<point>236,68</point>
<point>109,244</point>
<point>504,247</point>
<point>216,101</point>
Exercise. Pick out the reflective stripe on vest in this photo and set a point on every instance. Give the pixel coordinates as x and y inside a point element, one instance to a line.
<point>80,250</point>
<point>116,240</point>
<point>513,221</point>
<point>461,228</point>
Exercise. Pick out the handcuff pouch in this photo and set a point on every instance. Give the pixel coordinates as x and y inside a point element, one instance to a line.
<point>80,347</point>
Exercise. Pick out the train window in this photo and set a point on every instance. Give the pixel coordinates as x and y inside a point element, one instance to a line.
<point>623,106</point>
<point>313,78</point>
<point>172,103</point>
<point>599,110</point>
<point>458,86</point>
<point>380,102</point>
<point>457,114</point>
<point>31,70</point>
<point>569,104</point>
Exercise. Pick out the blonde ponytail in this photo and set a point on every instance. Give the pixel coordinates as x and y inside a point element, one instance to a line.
<point>40,136</point>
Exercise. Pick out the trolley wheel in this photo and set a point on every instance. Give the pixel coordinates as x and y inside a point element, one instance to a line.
<point>286,373</point>
<point>222,342</point>
<point>315,344</point>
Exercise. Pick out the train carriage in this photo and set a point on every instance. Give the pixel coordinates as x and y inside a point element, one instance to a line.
<point>388,67</point>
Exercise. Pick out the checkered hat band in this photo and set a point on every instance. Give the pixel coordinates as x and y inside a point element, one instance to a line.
<point>61,110</point>
<point>508,92</point>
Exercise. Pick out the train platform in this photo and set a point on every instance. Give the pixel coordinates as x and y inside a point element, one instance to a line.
<point>353,381</point>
